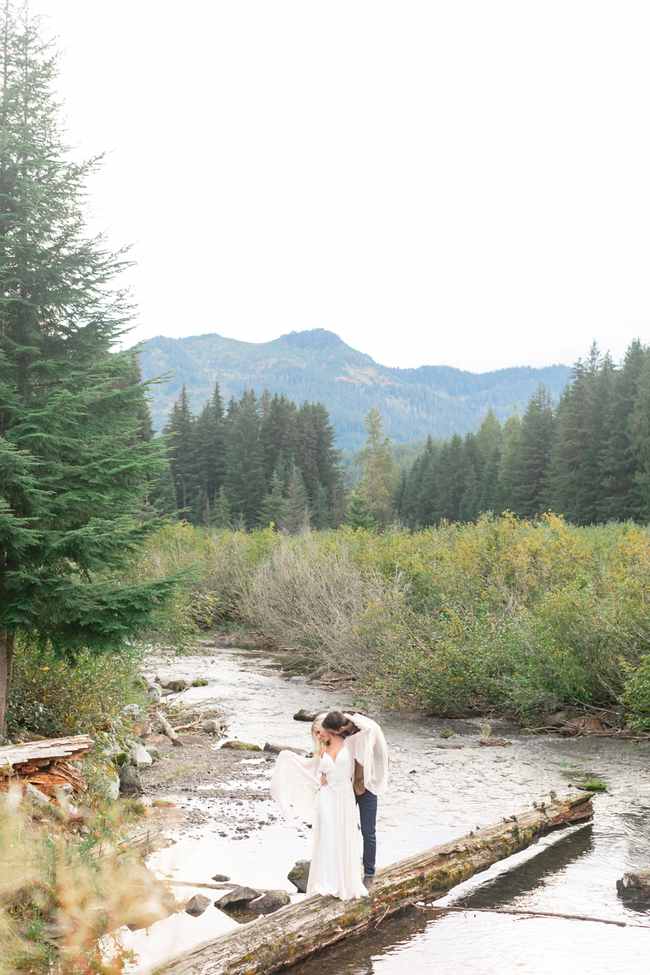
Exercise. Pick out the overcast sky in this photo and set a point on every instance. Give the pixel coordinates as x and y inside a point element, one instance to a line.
<point>460,183</point>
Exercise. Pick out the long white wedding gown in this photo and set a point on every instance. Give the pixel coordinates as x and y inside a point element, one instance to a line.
<point>336,857</point>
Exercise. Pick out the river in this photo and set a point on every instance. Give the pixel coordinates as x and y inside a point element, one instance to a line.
<point>436,793</point>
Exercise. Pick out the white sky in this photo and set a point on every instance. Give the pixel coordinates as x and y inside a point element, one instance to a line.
<point>460,183</point>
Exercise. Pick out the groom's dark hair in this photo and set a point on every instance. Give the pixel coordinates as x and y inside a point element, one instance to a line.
<point>334,721</point>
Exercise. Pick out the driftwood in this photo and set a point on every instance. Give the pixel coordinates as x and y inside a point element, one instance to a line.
<point>168,730</point>
<point>524,912</point>
<point>298,930</point>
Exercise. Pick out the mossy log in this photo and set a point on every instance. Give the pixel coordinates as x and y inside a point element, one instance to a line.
<point>284,938</point>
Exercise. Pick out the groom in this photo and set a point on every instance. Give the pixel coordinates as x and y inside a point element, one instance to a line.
<point>368,783</point>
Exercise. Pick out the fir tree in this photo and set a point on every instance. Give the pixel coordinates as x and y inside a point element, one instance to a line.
<point>73,456</point>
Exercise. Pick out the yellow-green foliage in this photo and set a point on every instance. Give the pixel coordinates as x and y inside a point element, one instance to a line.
<point>519,615</point>
<point>55,698</point>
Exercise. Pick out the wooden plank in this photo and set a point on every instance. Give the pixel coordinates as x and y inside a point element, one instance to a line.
<point>294,932</point>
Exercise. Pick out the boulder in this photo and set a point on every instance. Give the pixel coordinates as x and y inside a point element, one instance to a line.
<point>303,715</point>
<point>220,878</point>
<point>299,679</point>
<point>154,693</point>
<point>276,749</point>
<point>271,901</point>
<point>154,752</point>
<point>299,875</point>
<point>635,887</point>
<point>237,898</point>
<point>241,746</point>
<point>211,726</point>
<point>130,780</point>
<point>139,755</point>
<point>196,905</point>
<point>176,686</point>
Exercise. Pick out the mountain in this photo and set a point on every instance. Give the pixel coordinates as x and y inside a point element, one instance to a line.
<point>317,365</point>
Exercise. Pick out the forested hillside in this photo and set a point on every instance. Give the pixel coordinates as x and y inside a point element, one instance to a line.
<point>316,365</point>
<point>587,459</point>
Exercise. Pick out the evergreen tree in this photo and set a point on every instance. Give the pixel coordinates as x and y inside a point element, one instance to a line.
<point>179,432</point>
<point>530,484</point>
<point>245,484</point>
<point>73,456</point>
<point>380,472</point>
<point>207,458</point>
<point>621,496</point>
<point>508,482</point>
<point>298,515</point>
<point>221,514</point>
<point>360,510</point>
<point>274,508</point>
<point>571,442</point>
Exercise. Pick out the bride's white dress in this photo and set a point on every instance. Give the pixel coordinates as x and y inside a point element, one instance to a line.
<point>336,857</point>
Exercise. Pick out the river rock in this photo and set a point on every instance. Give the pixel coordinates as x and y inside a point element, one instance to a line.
<point>298,679</point>
<point>130,780</point>
<point>139,755</point>
<point>299,875</point>
<point>635,886</point>
<point>196,905</point>
<point>271,901</point>
<point>211,726</point>
<point>220,878</point>
<point>276,749</point>
<point>238,897</point>
<point>303,715</point>
<point>176,686</point>
<point>154,693</point>
<point>154,752</point>
<point>242,746</point>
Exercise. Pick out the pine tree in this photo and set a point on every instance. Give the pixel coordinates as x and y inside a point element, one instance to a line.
<point>207,458</point>
<point>73,457</point>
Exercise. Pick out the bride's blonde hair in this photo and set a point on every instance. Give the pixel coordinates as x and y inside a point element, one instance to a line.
<point>317,724</point>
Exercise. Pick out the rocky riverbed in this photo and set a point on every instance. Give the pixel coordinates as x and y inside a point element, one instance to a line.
<point>223,821</point>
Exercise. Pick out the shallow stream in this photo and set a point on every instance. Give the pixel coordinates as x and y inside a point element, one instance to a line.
<point>436,793</point>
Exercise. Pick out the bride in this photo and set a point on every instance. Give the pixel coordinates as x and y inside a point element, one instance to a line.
<point>319,790</point>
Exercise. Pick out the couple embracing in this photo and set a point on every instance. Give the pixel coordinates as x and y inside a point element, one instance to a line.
<point>348,769</point>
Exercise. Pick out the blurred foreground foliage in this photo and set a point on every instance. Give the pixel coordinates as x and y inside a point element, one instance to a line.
<point>65,890</point>
<point>525,617</point>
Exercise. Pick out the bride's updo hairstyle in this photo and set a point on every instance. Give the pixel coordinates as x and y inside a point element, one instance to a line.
<point>334,721</point>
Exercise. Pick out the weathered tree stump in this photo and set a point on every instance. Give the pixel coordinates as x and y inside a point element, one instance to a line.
<point>284,938</point>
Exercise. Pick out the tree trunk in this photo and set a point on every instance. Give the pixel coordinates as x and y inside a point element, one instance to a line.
<point>6,667</point>
<point>284,938</point>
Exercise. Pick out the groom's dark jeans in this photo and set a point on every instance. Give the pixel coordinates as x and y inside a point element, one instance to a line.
<point>367,803</point>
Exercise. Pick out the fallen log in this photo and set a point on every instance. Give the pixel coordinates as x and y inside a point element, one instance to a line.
<point>168,730</point>
<point>298,930</point>
<point>28,756</point>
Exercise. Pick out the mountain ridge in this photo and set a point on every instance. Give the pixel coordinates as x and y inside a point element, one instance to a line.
<point>316,364</point>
